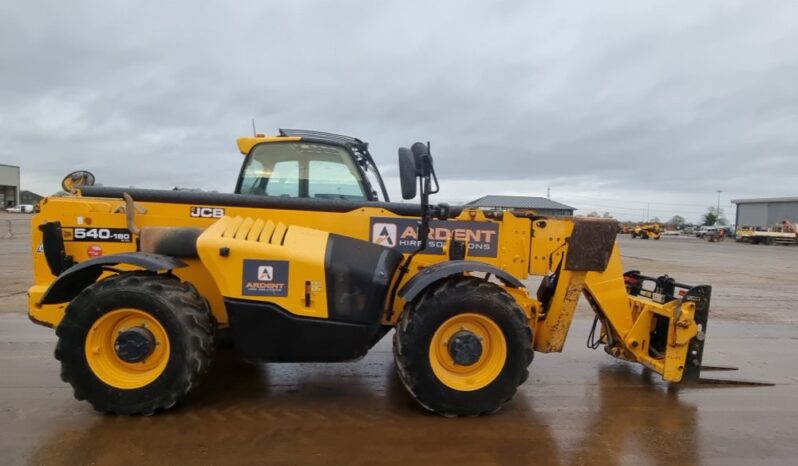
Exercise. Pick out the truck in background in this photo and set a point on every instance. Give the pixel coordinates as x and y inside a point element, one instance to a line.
<point>785,233</point>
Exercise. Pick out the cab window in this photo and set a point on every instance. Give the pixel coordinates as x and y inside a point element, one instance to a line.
<point>284,180</point>
<point>333,180</point>
<point>299,169</point>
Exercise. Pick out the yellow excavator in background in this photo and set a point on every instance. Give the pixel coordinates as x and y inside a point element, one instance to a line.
<point>309,261</point>
<point>647,230</point>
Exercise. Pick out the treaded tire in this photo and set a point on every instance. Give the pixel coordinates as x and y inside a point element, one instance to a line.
<point>180,310</point>
<point>418,324</point>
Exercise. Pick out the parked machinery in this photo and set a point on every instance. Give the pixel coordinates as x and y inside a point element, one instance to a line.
<point>647,230</point>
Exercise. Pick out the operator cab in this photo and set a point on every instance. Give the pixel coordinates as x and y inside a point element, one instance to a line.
<point>309,164</point>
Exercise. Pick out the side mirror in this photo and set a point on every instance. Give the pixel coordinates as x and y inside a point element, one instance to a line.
<point>425,168</point>
<point>422,157</point>
<point>408,172</point>
<point>76,180</point>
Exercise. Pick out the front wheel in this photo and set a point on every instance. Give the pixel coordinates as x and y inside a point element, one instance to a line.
<point>135,343</point>
<point>463,348</point>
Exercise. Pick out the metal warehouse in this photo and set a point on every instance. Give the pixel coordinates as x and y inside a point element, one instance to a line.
<point>766,212</point>
<point>539,205</point>
<point>9,186</point>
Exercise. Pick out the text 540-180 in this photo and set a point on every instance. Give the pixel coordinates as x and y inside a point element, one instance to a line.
<point>119,235</point>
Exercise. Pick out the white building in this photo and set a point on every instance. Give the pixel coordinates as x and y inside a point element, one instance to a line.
<point>9,186</point>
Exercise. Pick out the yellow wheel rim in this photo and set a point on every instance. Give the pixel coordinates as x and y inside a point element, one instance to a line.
<point>485,369</point>
<point>108,366</point>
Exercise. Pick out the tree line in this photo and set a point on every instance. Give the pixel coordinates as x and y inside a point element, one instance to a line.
<point>714,216</point>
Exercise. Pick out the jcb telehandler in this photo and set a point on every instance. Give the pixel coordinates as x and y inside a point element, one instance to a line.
<point>647,230</point>
<point>308,261</point>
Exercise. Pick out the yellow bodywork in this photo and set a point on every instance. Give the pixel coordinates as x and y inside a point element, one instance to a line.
<point>245,145</point>
<point>632,317</point>
<point>526,247</point>
<point>250,239</point>
<point>79,212</point>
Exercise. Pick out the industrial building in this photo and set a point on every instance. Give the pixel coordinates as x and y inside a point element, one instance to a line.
<point>766,212</point>
<point>538,205</point>
<point>9,186</point>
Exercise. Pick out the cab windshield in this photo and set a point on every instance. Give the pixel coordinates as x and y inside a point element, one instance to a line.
<point>302,169</point>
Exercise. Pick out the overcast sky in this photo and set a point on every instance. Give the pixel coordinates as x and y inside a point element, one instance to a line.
<point>617,106</point>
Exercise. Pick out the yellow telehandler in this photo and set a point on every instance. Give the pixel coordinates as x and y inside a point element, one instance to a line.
<point>647,231</point>
<point>309,261</point>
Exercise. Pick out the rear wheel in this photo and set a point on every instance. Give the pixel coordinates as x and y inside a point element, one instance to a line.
<point>135,343</point>
<point>463,347</point>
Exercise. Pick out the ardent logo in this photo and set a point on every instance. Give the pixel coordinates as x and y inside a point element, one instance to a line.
<point>265,273</point>
<point>384,234</point>
<point>401,234</point>
<point>265,278</point>
<point>206,212</point>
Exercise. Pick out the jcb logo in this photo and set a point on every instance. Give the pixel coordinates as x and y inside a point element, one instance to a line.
<point>207,212</point>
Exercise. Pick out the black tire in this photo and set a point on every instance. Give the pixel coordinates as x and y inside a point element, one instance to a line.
<point>178,308</point>
<point>634,235</point>
<point>416,329</point>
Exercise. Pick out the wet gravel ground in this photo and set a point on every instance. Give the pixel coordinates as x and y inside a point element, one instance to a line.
<point>749,282</point>
<point>579,407</point>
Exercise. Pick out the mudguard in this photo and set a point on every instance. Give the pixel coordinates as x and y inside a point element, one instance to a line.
<point>441,270</point>
<point>73,280</point>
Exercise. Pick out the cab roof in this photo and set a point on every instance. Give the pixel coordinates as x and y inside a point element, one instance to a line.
<point>245,144</point>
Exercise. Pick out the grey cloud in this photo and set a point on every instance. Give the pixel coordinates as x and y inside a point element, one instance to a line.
<point>648,101</point>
